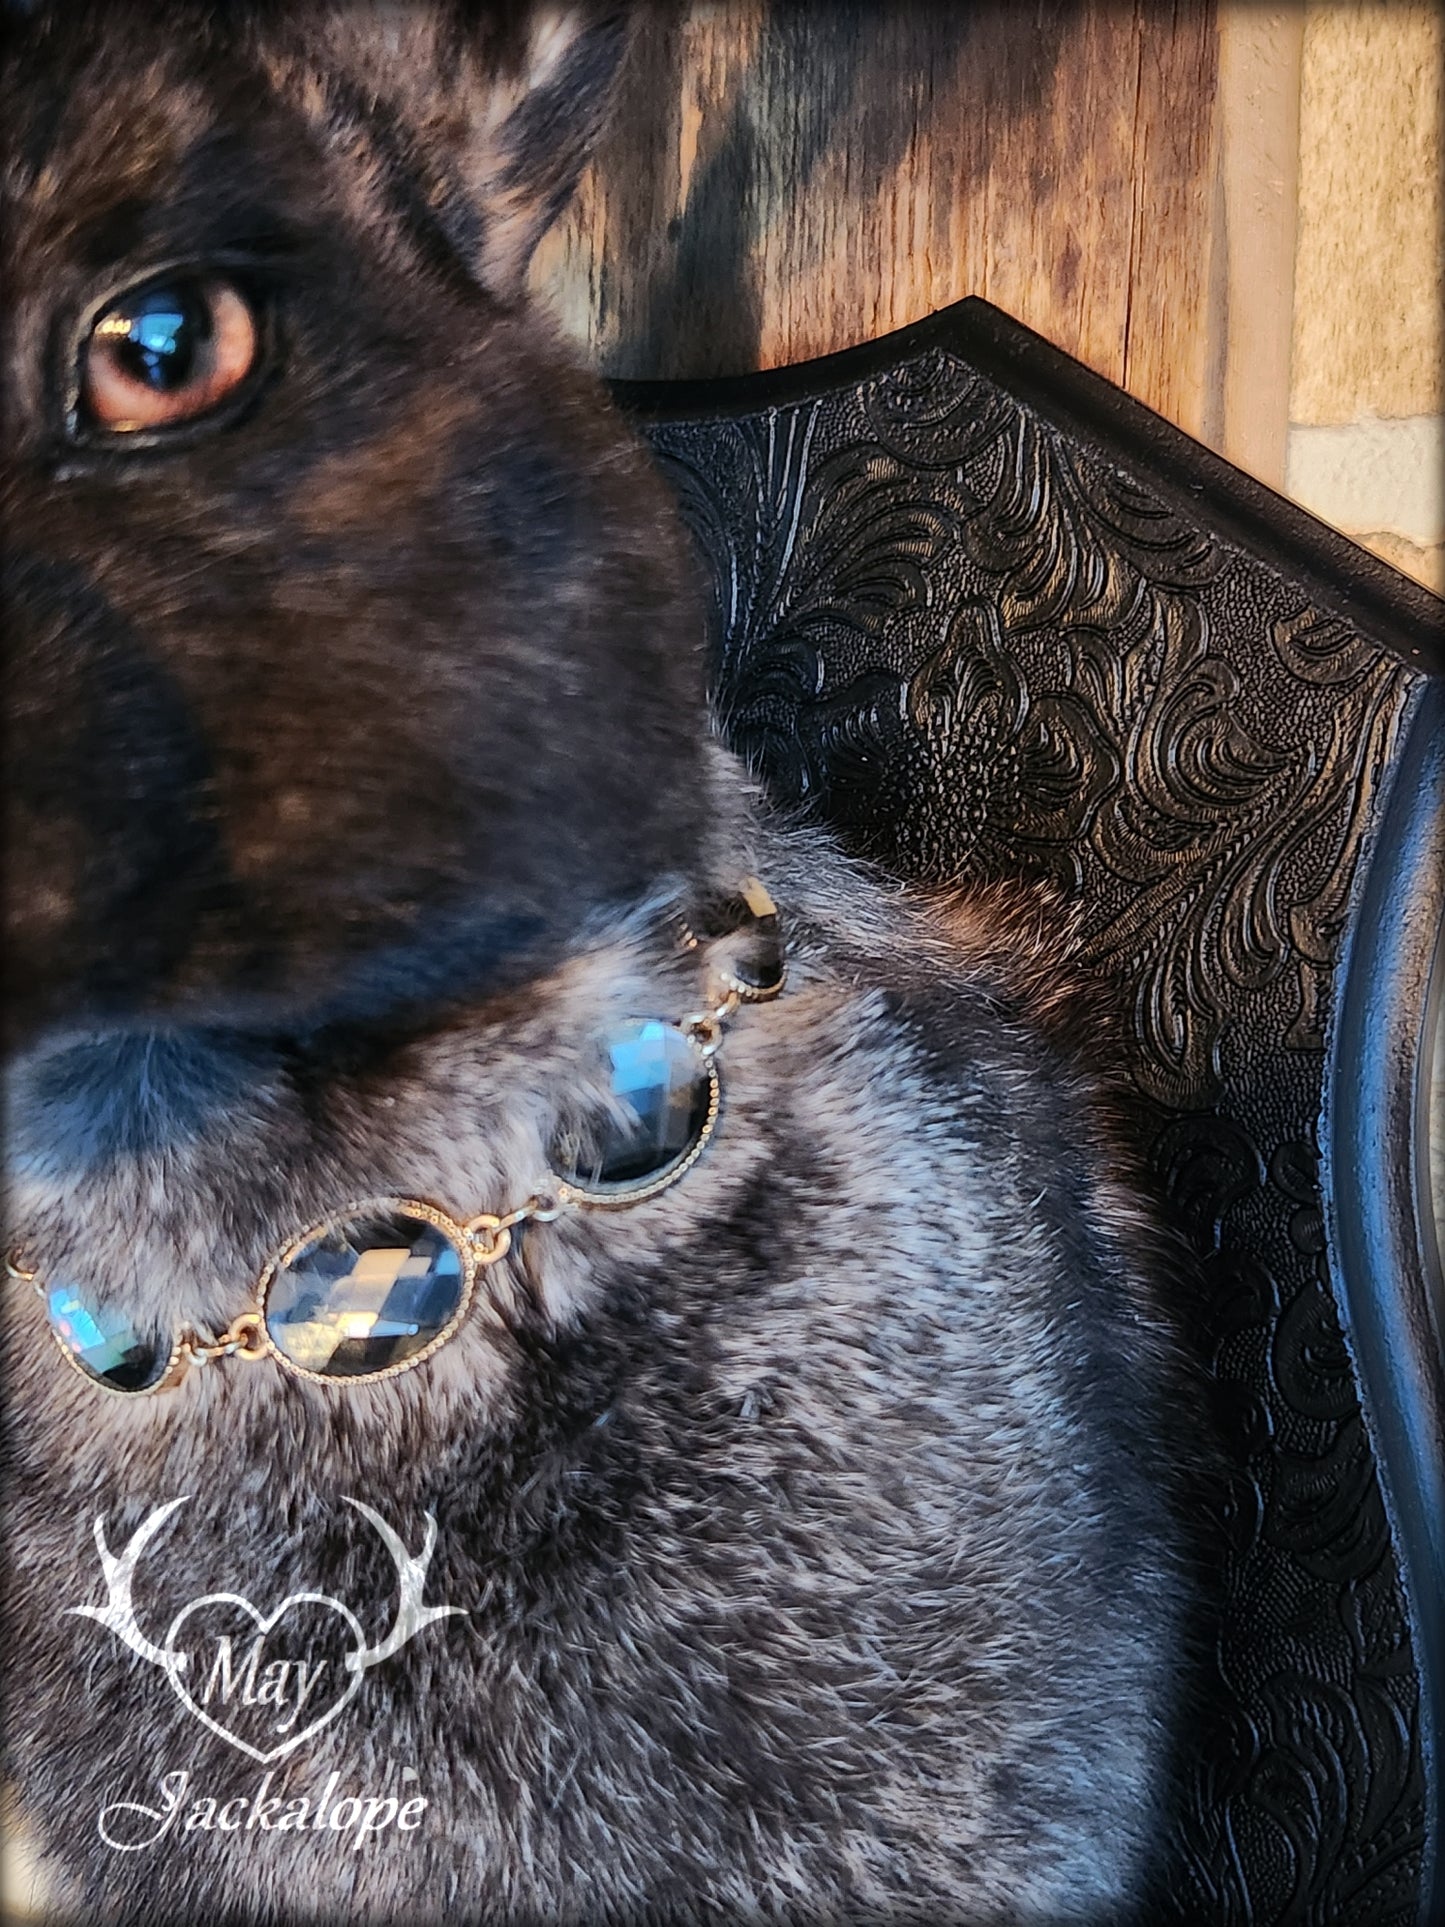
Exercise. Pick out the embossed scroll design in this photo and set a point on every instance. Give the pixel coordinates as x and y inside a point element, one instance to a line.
<point>978,648</point>
<point>1306,1802</point>
<point>1071,716</point>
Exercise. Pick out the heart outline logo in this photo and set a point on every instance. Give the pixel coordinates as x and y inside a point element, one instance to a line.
<point>118,1616</point>
<point>264,1623</point>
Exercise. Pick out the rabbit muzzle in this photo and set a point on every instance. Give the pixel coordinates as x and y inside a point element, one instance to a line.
<point>358,692</point>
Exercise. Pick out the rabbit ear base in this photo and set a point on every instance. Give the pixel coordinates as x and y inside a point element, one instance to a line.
<point>497,106</point>
<point>540,125</point>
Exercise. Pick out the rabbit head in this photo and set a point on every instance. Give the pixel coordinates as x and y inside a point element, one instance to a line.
<point>352,659</point>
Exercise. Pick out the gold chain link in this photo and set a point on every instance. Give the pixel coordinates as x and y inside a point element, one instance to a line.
<point>705,1027</point>
<point>244,1338</point>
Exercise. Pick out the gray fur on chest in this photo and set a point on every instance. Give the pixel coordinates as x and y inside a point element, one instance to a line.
<point>799,1515</point>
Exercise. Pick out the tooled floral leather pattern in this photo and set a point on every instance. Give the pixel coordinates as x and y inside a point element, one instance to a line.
<point>978,649</point>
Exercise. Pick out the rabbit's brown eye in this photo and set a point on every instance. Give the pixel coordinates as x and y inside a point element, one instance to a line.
<point>166,354</point>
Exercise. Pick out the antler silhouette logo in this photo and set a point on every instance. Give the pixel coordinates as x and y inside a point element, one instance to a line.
<point>268,1694</point>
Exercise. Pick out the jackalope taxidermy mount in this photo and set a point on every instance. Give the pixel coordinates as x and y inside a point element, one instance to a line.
<point>436,1081</point>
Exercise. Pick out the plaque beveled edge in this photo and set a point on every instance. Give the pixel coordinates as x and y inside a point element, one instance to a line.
<point>1389,608</point>
<point>1383,1252</point>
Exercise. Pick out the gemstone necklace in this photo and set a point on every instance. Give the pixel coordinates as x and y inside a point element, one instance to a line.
<point>378,1285</point>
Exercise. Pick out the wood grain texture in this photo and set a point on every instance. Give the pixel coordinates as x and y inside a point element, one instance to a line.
<point>785,180</point>
<point>1257,209</point>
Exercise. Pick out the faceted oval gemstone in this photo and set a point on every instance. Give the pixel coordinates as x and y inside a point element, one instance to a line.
<point>105,1344</point>
<point>364,1294</point>
<point>662,1091</point>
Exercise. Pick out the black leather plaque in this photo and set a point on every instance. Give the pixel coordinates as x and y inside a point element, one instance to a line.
<point>987,615</point>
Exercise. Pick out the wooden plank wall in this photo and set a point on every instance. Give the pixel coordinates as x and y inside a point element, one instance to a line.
<point>785,179</point>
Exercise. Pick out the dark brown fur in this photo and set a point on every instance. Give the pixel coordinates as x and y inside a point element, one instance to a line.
<point>815,1522</point>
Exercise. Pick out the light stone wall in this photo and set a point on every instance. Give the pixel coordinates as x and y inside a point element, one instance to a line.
<point>1366,437</point>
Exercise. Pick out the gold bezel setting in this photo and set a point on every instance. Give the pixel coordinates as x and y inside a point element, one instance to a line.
<point>460,1236</point>
<point>618,1197</point>
<point>174,1370</point>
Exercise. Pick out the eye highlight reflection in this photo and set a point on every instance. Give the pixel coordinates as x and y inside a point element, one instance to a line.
<point>167,353</point>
